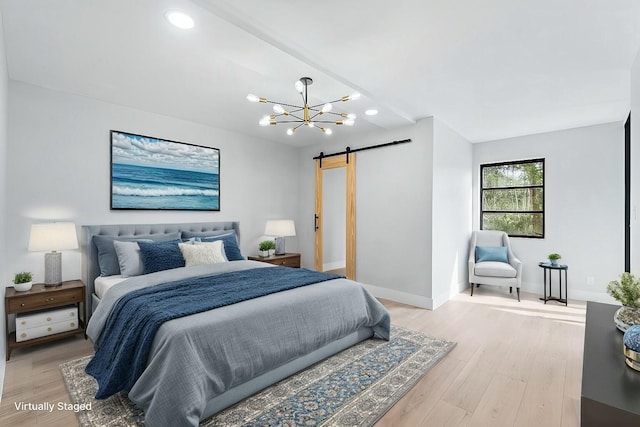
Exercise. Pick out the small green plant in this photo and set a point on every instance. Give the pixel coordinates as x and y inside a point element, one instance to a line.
<point>626,291</point>
<point>266,245</point>
<point>23,277</point>
<point>554,257</point>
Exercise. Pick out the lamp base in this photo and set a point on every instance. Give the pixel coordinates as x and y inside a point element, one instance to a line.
<point>52,269</point>
<point>280,245</point>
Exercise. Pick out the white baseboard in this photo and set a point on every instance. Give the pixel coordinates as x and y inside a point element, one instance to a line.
<point>575,294</point>
<point>399,296</point>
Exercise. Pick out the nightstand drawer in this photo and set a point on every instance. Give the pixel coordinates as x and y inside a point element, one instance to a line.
<point>47,299</point>
<point>49,317</point>
<point>287,262</point>
<point>45,330</point>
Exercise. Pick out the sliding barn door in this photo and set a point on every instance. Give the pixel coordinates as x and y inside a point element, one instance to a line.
<point>323,165</point>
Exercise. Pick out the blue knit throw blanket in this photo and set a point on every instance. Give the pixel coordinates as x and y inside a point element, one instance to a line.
<point>125,341</point>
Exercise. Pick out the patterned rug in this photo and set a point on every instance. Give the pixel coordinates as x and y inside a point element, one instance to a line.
<point>353,388</point>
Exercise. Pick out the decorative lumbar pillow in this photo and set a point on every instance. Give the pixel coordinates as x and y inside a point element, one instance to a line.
<point>129,258</point>
<point>230,242</point>
<point>107,257</point>
<point>203,253</point>
<point>492,253</point>
<point>158,256</point>
<point>210,233</point>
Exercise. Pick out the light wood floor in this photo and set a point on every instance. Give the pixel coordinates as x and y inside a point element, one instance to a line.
<point>515,364</point>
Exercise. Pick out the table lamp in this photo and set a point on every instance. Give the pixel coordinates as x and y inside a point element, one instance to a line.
<point>53,237</point>
<point>280,228</point>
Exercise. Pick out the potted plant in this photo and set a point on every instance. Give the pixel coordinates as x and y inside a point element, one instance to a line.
<point>272,247</point>
<point>264,247</point>
<point>626,292</point>
<point>22,281</point>
<point>553,258</point>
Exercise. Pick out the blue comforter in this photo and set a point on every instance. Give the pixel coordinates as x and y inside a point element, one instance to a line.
<point>122,350</point>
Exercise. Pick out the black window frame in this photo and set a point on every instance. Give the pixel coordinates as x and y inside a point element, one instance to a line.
<point>514,162</point>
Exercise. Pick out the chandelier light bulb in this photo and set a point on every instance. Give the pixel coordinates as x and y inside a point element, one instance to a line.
<point>265,121</point>
<point>351,116</point>
<point>278,109</point>
<point>299,86</point>
<point>327,131</point>
<point>252,98</point>
<point>327,107</point>
<point>290,131</point>
<point>311,124</point>
<point>349,122</point>
<point>354,96</point>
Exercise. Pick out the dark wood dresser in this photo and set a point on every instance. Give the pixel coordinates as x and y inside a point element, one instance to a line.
<point>610,389</point>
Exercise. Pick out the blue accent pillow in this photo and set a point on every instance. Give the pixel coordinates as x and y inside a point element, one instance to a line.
<point>159,256</point>
<point>107,257</point>
<point>492,253</point>
<point>230,244</point>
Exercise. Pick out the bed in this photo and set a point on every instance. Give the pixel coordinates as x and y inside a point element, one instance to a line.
<point>199,364</point>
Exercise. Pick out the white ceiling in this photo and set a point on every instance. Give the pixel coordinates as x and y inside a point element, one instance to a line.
<point>490,69</point>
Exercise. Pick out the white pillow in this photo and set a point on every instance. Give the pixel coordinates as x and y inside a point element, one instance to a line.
<point>210,253</point>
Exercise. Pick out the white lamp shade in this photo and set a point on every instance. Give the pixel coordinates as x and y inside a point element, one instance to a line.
<point>280,228</point>
<point>53,236</point>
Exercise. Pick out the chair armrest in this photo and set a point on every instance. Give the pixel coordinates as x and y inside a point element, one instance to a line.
<point>517,264</point>
<point>472,260</point>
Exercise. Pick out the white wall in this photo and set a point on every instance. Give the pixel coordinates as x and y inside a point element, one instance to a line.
<point>4,82</point>
<point>59,151</point>
<point>393,211</point>
<point>451,211</point>
<point>584,204</point>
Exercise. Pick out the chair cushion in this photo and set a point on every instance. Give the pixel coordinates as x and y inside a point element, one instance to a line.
<point>494,269</point>
<point>492,253</point>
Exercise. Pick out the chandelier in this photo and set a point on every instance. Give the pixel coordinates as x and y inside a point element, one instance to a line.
<point>313,116</point>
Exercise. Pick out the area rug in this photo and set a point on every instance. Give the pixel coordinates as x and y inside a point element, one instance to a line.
<point>353,388</point>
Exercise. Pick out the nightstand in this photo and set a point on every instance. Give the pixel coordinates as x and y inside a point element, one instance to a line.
<point>286,260</point>
<point>41,299</point>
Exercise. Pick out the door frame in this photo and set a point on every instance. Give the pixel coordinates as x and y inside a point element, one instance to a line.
<point>347,161</point>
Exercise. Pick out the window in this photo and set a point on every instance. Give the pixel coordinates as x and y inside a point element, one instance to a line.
<point>512,197</point>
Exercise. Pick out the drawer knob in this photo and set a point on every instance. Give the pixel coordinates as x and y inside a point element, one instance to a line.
<point>24,322</point>
<point>48,329</point>
<point>73,325</point>
<point>22,305</point>
<point>23,335</point>
<point>71,314</point>
<point>48,319</point>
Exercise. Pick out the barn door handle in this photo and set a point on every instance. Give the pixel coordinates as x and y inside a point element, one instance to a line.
<point>315,222</point>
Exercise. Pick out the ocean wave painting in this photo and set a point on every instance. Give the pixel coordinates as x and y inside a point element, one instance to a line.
<point>152,173</point>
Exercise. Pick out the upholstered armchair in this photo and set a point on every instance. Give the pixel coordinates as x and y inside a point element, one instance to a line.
<point>492,262</point>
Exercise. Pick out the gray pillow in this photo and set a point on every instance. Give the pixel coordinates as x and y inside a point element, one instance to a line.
<point>129,258</point>
<point>190,234</point>
<point>107,257</point>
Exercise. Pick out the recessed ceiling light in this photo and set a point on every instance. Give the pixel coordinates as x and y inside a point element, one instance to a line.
<point>180,19</point>
<point>371,112</point>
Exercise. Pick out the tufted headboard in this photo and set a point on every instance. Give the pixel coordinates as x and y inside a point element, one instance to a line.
<point>90,267</point>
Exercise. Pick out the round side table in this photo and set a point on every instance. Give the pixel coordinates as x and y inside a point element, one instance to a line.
<point>548,267</point>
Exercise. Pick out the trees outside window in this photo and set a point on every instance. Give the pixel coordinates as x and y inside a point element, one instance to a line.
<point>512,197</point>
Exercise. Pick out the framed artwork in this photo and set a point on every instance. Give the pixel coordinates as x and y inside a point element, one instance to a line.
<point>154,173</point>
